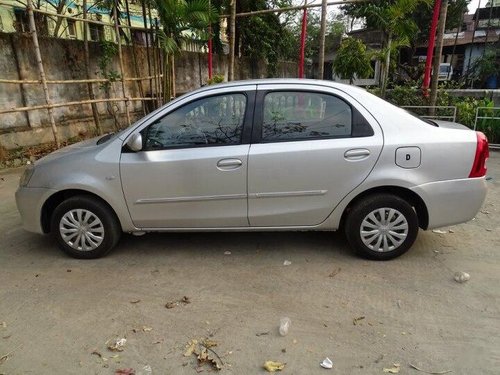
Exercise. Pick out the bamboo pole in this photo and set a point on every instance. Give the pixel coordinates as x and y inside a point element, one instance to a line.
<point>134,57</point>
<point>120,57</point>
<point>90,89</point>
<point>41,71</point>
<point>322,35</point>
<point>67,104</point>
<point>287,9</point>
<point>232,35</point>
<point>145,22</point>
<point>71,81</point>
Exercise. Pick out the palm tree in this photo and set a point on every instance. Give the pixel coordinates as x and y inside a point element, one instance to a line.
<point>180,20</point>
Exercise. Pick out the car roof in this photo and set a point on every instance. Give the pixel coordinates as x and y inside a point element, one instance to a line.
<point>282,81</point>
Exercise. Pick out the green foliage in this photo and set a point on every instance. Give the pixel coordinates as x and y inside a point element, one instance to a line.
<point>218,78</point>
<point>352,60</point>
<point>466,108</point>
<point>108,51</point>
<point>487,65</point>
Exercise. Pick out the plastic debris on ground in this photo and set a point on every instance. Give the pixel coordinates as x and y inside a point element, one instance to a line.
<point>117,345</point>
<point>326,363</point>
<point>392,370</point>
<point>285,324</point>
<point>227,253</point>
<point>287,263</point>
<point>273,366</point>
<point>439,231</point>
<point>461,277</point>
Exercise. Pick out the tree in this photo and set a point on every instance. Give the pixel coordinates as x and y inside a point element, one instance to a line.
<point>352,60</point>
<point>180,21</point>
<point>393,18</point>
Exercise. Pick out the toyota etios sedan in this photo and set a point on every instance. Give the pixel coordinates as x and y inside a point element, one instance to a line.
<point>262,155</point>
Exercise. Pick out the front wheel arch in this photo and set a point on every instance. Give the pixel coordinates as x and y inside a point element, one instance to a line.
<point>57,198</point>
<point>409,196</point>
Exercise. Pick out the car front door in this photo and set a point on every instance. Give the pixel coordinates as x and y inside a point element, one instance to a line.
<point>192,169</point>
<point>311,146</point>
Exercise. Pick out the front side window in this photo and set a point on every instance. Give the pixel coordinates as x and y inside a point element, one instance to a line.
<point>304,115</point>
<point>217,120</point>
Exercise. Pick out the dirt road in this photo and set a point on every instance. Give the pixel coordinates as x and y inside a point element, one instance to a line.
<point>55,311</point>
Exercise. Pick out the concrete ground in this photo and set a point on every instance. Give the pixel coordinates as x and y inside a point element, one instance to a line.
<point>56,311</point>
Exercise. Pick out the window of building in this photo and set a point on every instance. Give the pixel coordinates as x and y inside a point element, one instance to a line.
<point>304,115</point>
<point>71,28</point>
<point>216,120</point>
<point>21,23</point>
<point>96,32</point>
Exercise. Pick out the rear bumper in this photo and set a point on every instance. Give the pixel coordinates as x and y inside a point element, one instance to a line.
<point>453,201</point>
<point>29,203</point>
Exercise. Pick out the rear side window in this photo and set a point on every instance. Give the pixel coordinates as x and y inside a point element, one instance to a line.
<point>305,115</point>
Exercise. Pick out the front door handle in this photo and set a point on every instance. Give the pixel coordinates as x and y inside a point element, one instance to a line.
<point>228,164</point>
<point>357,154</point>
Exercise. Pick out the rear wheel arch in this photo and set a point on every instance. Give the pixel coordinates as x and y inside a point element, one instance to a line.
<point>409,196</point>
<point>57,198</point>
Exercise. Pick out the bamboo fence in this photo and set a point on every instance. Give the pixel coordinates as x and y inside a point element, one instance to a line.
<point>155,97</point>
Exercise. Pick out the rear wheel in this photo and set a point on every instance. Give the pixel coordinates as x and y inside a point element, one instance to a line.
<point>85,228</point>
<point>382,226</point>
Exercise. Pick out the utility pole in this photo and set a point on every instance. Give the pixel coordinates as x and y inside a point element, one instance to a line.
<point>232,34</point>
<point>322,33</point>
<point>438,54</point>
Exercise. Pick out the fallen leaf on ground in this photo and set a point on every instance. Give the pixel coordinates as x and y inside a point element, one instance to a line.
<point>394,369</point>
<point>4,325</point>
<point>95,352</point>
<point>190,347</point>
<point>125,371</point>
<point>117,345</point>
<point>356,320</point>
<point>147,329</point>
<point>335,272</point>
<point>262,334</point>
<point>5,357</point>
<point>135,301</point>
<point>272,366</point>
<point>183,301</point>
<point>429,372</point>
<point>203,352</point>
<point>7,337</point>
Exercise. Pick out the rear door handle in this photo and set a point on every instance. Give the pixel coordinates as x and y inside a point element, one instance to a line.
<point>228,164</point>
<point>357,154</point>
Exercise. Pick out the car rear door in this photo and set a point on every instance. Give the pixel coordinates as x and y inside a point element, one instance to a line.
<point>192,170</point>
<point>311,146</point>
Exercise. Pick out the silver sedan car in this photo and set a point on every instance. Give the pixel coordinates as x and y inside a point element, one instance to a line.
<point>262,155</point>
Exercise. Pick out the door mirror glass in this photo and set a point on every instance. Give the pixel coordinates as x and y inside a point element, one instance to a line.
<point>135,142</point>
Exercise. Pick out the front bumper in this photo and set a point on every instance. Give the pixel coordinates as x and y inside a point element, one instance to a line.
<point>29,203</point>
<point>453,201</point>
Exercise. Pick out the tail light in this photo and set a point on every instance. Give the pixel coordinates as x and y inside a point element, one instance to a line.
<point>482,154</point>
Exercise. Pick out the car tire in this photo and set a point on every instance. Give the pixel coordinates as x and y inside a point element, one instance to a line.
<point>84,227</point>
<point>381,226</point>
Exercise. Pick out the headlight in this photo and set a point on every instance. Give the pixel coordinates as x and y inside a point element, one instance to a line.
<point>25,178</point>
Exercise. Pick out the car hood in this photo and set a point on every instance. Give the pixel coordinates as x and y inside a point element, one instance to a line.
<point>71,149</point>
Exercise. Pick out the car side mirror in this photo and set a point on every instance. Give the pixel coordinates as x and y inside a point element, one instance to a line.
<point>135,142</point>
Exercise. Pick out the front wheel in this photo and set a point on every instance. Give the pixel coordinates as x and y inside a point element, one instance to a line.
<point>84,227</point>
<point>382,226</point>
